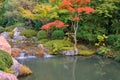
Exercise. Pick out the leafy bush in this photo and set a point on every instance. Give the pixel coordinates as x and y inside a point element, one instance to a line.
<point>2,29</point>
<point>103,51</point>
<point>5,60</point>
<point>58,34</point>
<point>19,24</point>
<point>42,34</point>
<point>56,46</point>
<point>111,39</point>
<point>10,28</point>
<point>114,41</point>
<point>85,35</point>
<point>29,33</point>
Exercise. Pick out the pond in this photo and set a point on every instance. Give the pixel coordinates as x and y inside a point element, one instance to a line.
<point>72,68</point>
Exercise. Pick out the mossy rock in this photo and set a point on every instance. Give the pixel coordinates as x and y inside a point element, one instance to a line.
<point>85,52</point>
<point>5,61</point>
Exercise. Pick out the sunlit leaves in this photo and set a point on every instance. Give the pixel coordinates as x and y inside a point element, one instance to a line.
<point>26,13</point>
<point>45,11</point>
<point>76,6</point>
<point>41,12</point>
<point>106,9</point>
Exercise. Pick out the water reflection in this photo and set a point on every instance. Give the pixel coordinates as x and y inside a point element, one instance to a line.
<point>72,68</point>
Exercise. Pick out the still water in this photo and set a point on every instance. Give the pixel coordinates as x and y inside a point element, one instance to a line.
<point>72,68</point>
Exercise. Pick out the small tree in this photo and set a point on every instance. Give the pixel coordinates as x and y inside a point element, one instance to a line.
<point>76,8</point>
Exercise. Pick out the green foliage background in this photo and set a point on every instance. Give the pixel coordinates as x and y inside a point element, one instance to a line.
<point>104,21</point>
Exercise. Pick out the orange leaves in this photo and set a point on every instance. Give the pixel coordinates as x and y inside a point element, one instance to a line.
<point>66,2</point>
<point>87,10</point>
<point>76,19</point>
<point>71,9</point>
<point>76,6</point>
<point>57,24</point>
<point>80,9</point>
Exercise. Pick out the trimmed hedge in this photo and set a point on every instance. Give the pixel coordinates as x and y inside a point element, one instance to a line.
<point>58,34</point>
<point>42,34</point>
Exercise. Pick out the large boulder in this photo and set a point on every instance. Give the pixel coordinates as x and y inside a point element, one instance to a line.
<point>4,45</point>
<point>7,76</point>
<point>18,68</point>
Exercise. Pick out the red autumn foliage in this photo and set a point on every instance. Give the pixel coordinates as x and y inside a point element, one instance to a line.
<point>87,10</point>
<point>76,6</point>
<point>57,24</point>
<point>76,19</point>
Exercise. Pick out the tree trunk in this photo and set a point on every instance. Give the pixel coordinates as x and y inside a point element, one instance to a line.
<point>75,37</point>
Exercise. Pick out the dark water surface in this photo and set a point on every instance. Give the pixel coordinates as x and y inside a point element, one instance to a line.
<point>72,68</point>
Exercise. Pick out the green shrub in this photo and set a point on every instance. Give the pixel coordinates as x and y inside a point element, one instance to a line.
<point>42,34</point>
<point>103,51</point>
<point>29,33</point>
<point>114,41</point>
<point>85,35</point>
<point>5,60</point>
<point>2,29</point>
<point>117,57</point>
<point>10,28</point>
<point>56,46</point>
<point>111,39</point>
<point>57,34</point>
<point>19,24</point>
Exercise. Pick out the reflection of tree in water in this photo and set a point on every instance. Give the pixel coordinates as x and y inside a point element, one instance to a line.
<point>100,67</point>
<point>74,67</point>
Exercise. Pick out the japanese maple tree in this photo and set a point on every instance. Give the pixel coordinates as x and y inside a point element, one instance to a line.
<point>75,7</point>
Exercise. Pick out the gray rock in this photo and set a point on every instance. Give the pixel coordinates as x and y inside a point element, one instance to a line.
<point>68,52</point>
<point>5,35</point>
<point>16,67</point>
<point>17,35</point>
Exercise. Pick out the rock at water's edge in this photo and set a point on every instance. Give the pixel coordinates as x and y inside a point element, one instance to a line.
<point>7,76</point>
